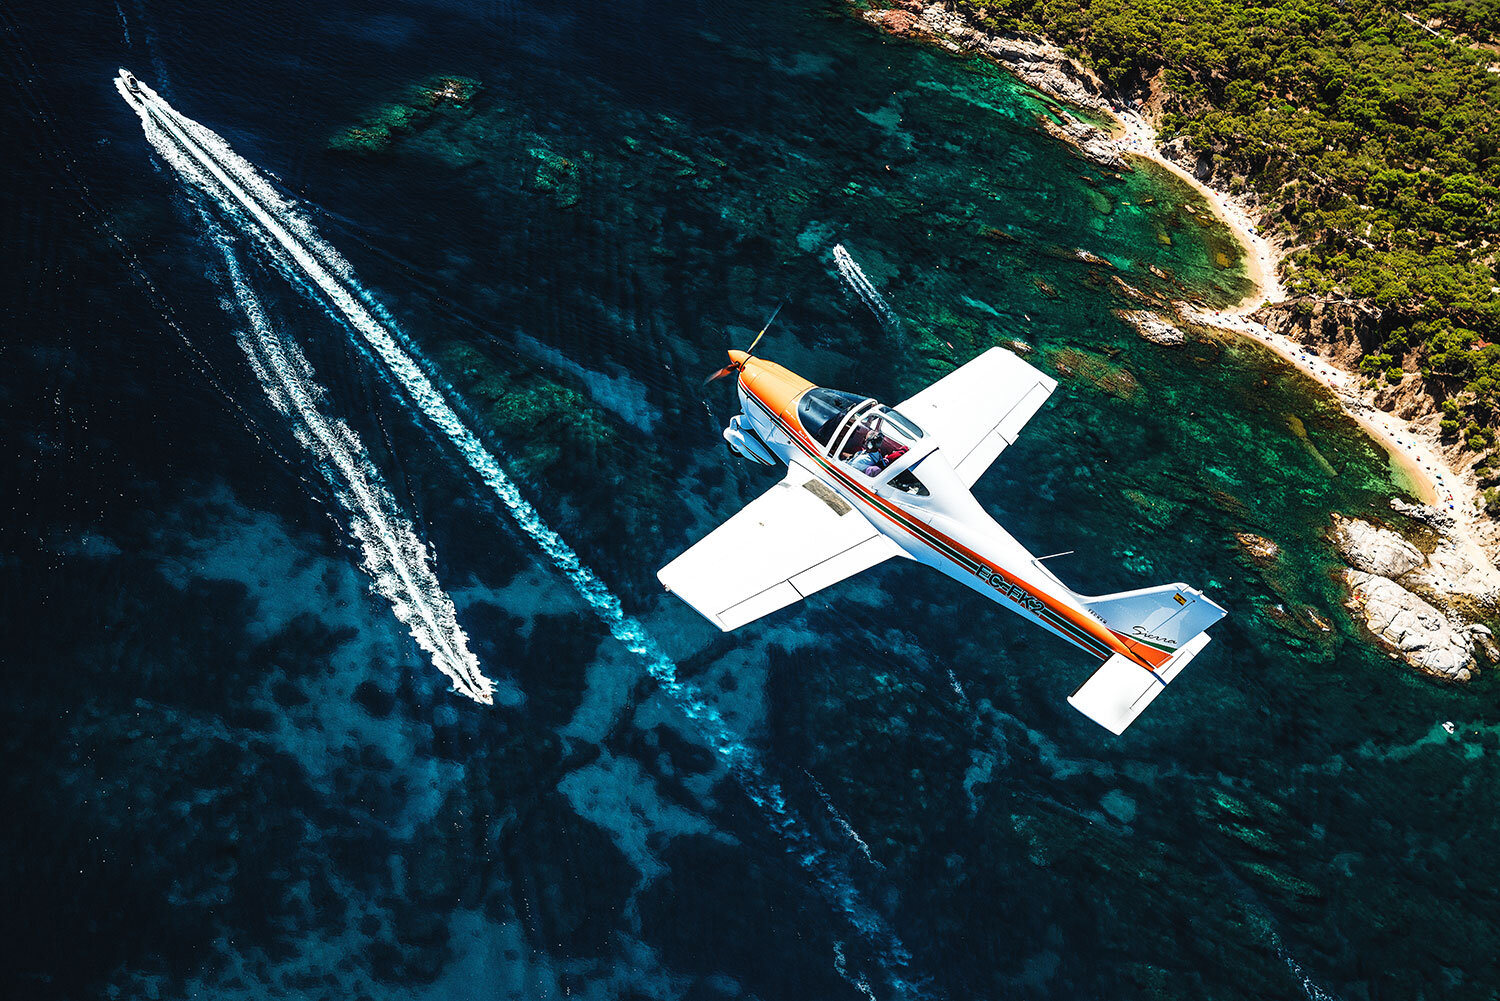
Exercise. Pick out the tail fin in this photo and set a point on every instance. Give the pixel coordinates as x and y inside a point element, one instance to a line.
<point>1155,622</point>
<point>1165,627</point>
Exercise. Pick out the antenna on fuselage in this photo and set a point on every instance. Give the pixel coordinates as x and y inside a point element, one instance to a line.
<point>736,364</point>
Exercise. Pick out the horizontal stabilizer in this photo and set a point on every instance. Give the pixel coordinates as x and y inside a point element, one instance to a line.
<point>1121,690</point>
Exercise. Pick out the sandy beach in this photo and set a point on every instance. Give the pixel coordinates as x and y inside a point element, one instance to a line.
<point>1139,139</point>
<point>1415,452</point>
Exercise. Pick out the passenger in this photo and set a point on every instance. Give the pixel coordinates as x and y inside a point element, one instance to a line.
<point>885,459</point>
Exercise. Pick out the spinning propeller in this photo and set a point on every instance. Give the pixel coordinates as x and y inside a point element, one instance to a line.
<point>737,359</point>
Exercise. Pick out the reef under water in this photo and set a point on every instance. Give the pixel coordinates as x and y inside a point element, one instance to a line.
<point>232,769</point>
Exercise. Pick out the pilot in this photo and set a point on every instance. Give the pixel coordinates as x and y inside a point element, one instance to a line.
<point>870,459</point>
<point>880,453</point>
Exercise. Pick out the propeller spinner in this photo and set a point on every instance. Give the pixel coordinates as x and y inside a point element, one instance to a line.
<point>737,359</point>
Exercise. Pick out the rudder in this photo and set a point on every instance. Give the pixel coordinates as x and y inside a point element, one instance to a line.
<point>1155,622</point>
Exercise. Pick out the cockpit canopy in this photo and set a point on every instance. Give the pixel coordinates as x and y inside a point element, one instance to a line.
<point>861,433</point>
<point>821,411</point>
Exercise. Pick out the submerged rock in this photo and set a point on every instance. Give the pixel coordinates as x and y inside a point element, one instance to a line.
<point>1131,292</point>
<point>1098,372</point>
<point>1299,431</point>
<point>455,90</point>
<point>1403,622</point>
<point>1261,549</point>
<point>557,176</point>
<point>1030,830</point>
<point>1158,510</point>
<point>1302,621</point>
<point>379,128</point>
<point>1254,837</point>
<point>1278,880</point>
<point>1229,503</point>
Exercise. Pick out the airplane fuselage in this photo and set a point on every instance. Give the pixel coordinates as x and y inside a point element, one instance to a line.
<point>944,527</point>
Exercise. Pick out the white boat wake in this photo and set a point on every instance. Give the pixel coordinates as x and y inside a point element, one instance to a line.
<point>399,564</point>
<point>840,819</point>
<point>860,283</point>
<point>204,160</point>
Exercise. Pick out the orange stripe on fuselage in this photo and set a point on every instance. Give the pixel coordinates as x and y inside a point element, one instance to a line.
<point>783,389</point>
<point>1144,652</point>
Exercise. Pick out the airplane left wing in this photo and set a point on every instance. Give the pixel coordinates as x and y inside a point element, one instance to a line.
<point>796,538</point>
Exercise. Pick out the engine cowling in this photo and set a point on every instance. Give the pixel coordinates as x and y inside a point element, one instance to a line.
<point>745,443</point>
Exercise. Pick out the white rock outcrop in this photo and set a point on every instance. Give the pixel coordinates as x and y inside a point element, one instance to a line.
<point>1032,58</point>
<point>1386,573</point>
<point>1375,550</point>
<point>1153,326</point>
<point>1425,637</point>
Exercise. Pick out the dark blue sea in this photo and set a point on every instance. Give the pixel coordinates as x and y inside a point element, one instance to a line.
<point>245,568</point>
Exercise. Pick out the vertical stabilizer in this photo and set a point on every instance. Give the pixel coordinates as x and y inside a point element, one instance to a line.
<point>1155,622</point>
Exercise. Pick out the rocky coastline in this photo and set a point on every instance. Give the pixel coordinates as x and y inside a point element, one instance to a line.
<point>1423,607</point>
<point>1419,605</point>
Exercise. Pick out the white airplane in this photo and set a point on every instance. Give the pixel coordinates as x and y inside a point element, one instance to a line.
<point>866,482</point>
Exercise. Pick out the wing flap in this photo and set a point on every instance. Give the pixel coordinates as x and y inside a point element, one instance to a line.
<point>1004,434</point>
<point>794,539</point>
<point>979,409</point>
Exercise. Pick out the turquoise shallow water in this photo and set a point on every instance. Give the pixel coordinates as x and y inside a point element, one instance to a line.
<point>233,772</point>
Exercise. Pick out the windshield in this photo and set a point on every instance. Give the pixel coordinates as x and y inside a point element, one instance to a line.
<point>903,424</point>
<point>822,410</point>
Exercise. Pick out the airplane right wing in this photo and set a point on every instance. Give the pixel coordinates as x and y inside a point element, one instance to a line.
<point>794,539</point>
<point>978,409</point>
